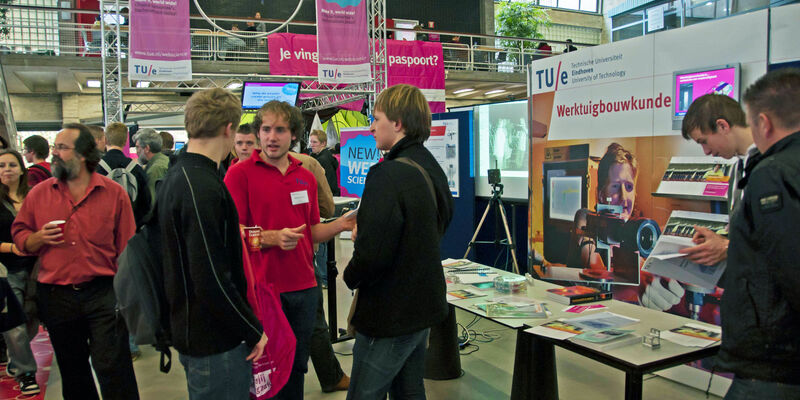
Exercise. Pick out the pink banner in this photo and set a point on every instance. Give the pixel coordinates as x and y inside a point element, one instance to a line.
<point>412,62</point>
<point>160,44</point>
<point>342,41</point>
<point>420,64</point>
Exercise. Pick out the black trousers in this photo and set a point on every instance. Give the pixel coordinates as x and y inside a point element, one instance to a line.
<point>327,367</point>
<point>83,322</point>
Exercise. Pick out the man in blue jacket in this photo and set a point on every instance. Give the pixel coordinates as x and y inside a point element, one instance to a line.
<point>396,266</point>
<point>761,303</point>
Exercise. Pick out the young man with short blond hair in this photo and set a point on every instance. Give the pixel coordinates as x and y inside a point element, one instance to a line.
<point>213,327</point>
<point>405,210</point>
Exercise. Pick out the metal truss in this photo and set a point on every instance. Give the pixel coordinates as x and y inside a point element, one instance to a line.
<point>331,94</point>
<point>152,107</point>
<point>376,20</point>
<point>336,95</point>
<point>341,94</point>
<point>112,60</point>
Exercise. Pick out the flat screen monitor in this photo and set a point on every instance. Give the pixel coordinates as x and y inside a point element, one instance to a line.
<point>179,145</point>
<point>256,94</point>
<point>688,85</point>
<point>501,138</point>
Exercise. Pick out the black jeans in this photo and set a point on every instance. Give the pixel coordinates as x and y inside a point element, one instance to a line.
<point>327,367</point>
<point>299,308</point>
<point>83,322</point>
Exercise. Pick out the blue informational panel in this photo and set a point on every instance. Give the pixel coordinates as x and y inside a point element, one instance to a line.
<point>358,154</point>
<point>455,240</point>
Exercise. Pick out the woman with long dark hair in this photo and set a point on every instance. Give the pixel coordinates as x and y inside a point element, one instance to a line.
<point>13,189</point>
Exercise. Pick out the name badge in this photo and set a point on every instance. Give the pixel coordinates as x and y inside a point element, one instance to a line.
<point>300,197</point>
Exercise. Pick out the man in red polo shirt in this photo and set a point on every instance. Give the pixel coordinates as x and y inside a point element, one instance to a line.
<point>273,191</point>
<point>78,263</point>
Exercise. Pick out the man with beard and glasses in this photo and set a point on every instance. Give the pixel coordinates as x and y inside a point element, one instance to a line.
<point>78,223</point>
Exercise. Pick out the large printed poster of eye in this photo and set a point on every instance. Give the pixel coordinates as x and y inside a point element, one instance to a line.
<point>358,154</point>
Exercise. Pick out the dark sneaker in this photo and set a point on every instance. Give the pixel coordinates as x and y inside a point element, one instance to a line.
<point>27,384</point>
<point>343,384</point>
<point>11,371</point>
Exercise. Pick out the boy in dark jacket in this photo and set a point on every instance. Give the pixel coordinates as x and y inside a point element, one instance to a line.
<point>396,264</point>
<point>213,327</point>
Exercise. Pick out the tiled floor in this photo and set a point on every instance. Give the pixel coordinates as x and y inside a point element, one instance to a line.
<point>487,371</point>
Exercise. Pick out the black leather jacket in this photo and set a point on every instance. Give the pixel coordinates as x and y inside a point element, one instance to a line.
<point>396,263</point>
<point>761,302</point>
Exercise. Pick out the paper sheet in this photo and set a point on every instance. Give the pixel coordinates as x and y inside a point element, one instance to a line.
<point>665,260</point>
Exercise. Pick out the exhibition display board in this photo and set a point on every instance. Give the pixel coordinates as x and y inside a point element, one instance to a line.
<point>592,217</point>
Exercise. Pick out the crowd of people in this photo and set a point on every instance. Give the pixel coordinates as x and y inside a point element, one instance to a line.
<point>63,224</point>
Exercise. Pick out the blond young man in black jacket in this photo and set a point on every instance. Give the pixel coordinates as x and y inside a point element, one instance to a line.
<point>213,327</point>
<point>396,264</point>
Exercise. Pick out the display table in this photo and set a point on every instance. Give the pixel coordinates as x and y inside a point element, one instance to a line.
<point>534,360</point>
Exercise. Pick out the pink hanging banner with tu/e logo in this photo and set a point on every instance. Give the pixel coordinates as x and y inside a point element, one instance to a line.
<point>413,62</point>
<point>342,41</point>
<point>159,41</point>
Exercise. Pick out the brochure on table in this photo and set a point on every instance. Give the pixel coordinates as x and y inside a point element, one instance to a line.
<point>693,335</point>
<point>697,178</point>
<point>665,260</point>
<point>443,144</point>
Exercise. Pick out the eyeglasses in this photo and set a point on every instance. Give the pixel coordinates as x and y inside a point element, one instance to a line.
<point>62,147</point>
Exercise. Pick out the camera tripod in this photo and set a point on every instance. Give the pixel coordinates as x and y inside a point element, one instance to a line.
<point>497,202</point>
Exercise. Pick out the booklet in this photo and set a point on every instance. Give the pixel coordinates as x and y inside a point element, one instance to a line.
<point>693,335</point>
<point>452,263</point>
<point>665,260</point>
<point>461,294</point>
<point>559,329</point>
<point>608,339</point>
<point>604,335</point>
<point>602,320</point>
<point>512,307</point>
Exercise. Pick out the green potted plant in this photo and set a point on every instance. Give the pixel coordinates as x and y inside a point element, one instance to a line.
<point>522,20</point>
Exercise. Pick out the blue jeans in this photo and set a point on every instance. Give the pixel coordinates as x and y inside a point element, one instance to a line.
<point>17,339</point>
<point>220,376</point>
<point>744,389</point>
<point>321,263</point>
<point>300,308</point>
<point>394,365</point>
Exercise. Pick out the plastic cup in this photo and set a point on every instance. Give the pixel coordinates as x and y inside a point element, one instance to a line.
<point>253,235</point>
<point>60,223</point>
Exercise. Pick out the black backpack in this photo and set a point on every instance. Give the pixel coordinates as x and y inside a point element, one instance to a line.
<point>139,286</point>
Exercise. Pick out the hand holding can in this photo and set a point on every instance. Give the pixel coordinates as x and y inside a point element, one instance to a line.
<point>253,236</point>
